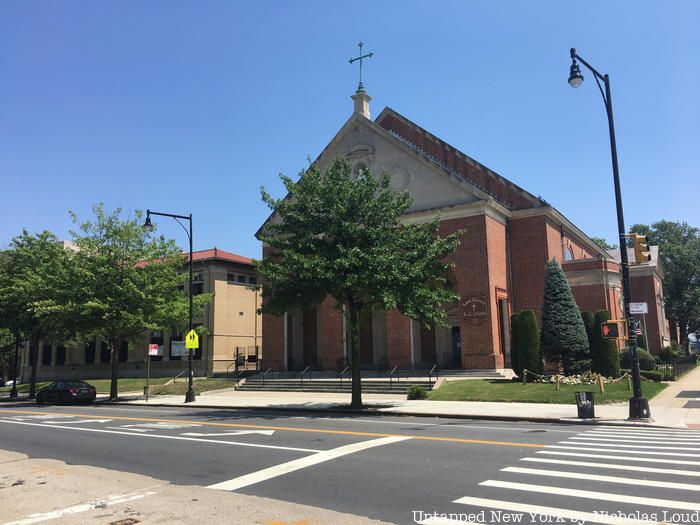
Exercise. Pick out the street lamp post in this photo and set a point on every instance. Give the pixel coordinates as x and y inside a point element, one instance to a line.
<point>189,395</point>
<point>638,405</point>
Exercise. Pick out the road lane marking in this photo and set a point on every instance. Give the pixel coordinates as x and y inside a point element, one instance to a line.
<point>308,430</point>
<point>75,421</point>
<point>177,438</point>
<point>298,464</point>
<point>573,516</point>
<point>646,452</point>
<point>607,479</point>
<point>234,433</point>
<point>83,507</point>
<point>645,430</point>
<point>619,458</point>
<point>636,468</point>
<point>590,494</point>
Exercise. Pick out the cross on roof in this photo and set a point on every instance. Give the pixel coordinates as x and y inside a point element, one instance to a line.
<point>360,86</point>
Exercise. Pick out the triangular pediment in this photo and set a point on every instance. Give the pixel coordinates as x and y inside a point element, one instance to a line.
<point>369,146</point>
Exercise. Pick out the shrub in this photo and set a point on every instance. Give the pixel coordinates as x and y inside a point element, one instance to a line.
<point>579,367</point>
<point>563,335</point>
<point>646,360</point>
<point>417,392</point>
<point>588,323</point>
<point>669,354</point>
<point>642,342</point>
<point>529,352</point>
<point>514,344</point>
<point>605,358</point>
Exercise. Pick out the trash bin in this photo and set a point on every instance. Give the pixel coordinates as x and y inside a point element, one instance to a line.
<point>585,405</point>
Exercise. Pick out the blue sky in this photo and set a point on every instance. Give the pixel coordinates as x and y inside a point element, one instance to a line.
<point>191,106</point>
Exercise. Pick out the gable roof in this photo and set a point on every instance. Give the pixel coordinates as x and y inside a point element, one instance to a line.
<point>450,158</point>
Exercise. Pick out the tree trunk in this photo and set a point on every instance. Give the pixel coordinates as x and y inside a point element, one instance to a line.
<point>683,333</point>
<point>34,359</point>
<point>355,353</point>
<point>673,335</point>
<point>114,354</point>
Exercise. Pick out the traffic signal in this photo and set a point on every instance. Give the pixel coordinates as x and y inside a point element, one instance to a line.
<point>611,329</point>
<point>641,248</point>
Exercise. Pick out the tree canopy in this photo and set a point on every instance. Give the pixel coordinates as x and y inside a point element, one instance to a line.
<point>343,236</point>
<point>679,251</point>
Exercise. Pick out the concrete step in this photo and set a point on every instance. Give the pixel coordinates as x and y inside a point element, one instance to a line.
<point>330,385</point>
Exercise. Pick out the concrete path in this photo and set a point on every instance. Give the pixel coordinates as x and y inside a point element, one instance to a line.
<point>676,406</point>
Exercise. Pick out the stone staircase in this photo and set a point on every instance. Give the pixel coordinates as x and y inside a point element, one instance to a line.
<point>372,382</point>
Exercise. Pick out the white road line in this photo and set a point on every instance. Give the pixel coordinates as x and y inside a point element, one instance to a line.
<point>308,461</point>
<point>74,421</point>
<point>619,458</point>
<point>607,479</point>
<point>641,431</point>
<point>572,516</point>
<point>77,509</point>
<point>441,425</point>
<point>178,438</point>
<point>646,452</point>
<point>589,494</point>
<point>615,435</point>
<point>233,433</point>
<point>606,439</point>
<point>615,466</point>
<point>623,445</point>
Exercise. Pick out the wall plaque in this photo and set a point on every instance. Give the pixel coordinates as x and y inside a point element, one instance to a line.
<point>474,308</point>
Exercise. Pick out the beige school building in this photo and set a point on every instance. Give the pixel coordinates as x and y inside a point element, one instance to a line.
<point>234,328</point>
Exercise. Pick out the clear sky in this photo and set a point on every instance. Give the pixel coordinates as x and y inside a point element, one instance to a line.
<point>191,106</point>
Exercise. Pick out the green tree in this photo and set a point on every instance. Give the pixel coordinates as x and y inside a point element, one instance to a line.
<point>563,335</point>
<point>35,292</point>
<point>588,322</point>
<point>679,251</point>
<point>515,344</point>
<point>129,281</point>
<point>529,342</point>
<point>604,355</point>
<point>340,236</point>
<point>603,243</point>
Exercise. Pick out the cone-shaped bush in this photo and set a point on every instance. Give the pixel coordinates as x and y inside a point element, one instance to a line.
<point>605,358</point>
<point>563,334</point>
<point>530,354</point>
<point>514,346</point>
<point>588,323</point>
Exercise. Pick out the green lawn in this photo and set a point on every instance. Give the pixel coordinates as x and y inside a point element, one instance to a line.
<point>101,385</point>
<point>514,391</point>
<point>200,386</point>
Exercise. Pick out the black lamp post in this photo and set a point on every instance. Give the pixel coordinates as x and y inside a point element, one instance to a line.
<point>189,395</point>
<point>639,406</point>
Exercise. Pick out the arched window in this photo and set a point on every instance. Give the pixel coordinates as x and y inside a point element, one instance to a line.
<point>568,254</point>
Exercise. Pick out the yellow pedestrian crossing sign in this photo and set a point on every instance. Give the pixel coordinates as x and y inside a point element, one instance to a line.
<point>191,340</point>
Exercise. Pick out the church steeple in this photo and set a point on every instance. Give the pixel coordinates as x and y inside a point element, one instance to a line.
<point>361,98</point>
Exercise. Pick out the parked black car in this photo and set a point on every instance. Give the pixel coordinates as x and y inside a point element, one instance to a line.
<point>66,391</point>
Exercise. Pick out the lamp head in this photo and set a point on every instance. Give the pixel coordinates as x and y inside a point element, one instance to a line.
<point>148,225</point>
<point>575,76</point>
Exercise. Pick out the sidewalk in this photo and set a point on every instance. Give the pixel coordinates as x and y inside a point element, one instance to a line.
<point>676,406</point>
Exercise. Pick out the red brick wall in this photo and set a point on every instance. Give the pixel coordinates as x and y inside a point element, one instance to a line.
<point>273,342</point>
<point>529,256</point>
<point>644,289</point>
<point>331,349</point>
<point>398,340</point>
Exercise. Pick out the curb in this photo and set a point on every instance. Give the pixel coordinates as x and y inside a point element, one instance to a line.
<point>376,412</point>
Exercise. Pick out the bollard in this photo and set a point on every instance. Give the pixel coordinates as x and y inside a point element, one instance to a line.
<point>558,381</point>
<point>524,377</point>
<point>601,384</point>
<point>629,382</point>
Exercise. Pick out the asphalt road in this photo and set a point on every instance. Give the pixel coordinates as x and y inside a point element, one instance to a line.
<point>400,470</point>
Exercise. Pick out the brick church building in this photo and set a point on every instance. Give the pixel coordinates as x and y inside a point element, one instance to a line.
<point>509,235</point>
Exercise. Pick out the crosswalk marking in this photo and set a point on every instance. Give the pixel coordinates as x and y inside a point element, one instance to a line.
<point>668,437</point>
<point>596,437</point>
<point>584,441</point>
<point>645,430</point>
<point>588,494</point>
<point>647,452</point>
<point>607,479</point>
<point>574,516</point>
<point>619,458</point>
<point>636,468</point>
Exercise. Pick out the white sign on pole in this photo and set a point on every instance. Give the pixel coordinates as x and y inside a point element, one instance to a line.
<point>177,348</point>
<point>639,308</point>
<point>154,349</point>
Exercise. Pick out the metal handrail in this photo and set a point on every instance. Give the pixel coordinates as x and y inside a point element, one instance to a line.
<point>342,373</point>
<point>301,376</point>
<point>391,375</point>
<point>228,368</point>
<point>181,373</point>
<point>436,371</point>
<point>265,374</point>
